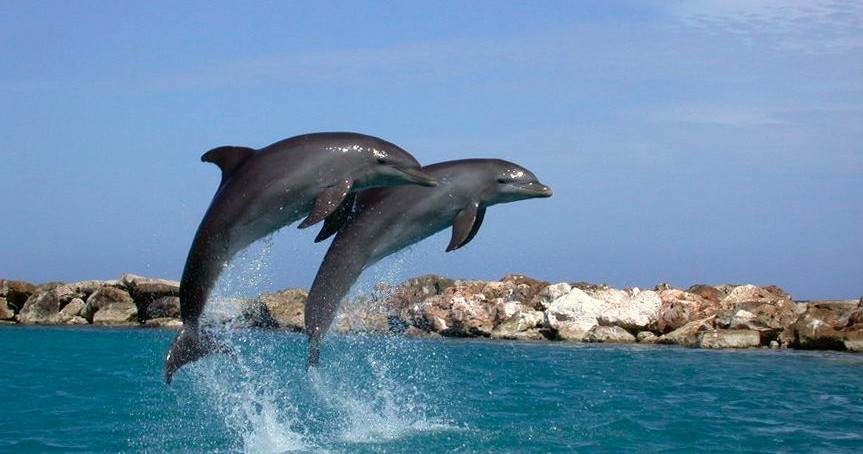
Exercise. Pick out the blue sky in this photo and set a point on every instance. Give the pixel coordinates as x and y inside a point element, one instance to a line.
<point>687,141</point>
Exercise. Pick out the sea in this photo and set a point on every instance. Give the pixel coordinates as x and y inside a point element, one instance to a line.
<point>94,390</point>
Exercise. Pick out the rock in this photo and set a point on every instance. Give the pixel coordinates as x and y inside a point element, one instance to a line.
<point>707,293</point>
<point>414,291</point>
<point>71,313</point>
<point>110,306</point>
<point>524,289</point>
<point>44,307</point>
<point>163,322</point>
<point>548,294</point>
<point>729,338</point>
<point>688,334</point>
<point>144,291</point>
<point>75,320</point>
<point>6,312</point>
<point>253,314</point>
<point>364,315</point>
<point>646,337</point>
<point>462,310</point>
<point>413,331</point>
<point>521,325</point>
<point>679,308</point>
<point>164,307</point>
<point>822,326</point>
<point>767,310</point>
<point>632,310</point>
<point>13,295</point>
<point>86,288</point>
<point>610,334</point>
<point>853,341</point>
<point>573,315</point>
<point>73,308</point>
<point>287,307</point>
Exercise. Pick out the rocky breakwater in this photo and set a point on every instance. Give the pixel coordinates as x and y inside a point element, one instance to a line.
<point>128,301</point>
<point>135,300</point>
<point>515,307</point>
<point>519,307</point>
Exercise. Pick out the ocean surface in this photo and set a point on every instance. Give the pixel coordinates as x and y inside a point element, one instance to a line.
<point>101,390</point>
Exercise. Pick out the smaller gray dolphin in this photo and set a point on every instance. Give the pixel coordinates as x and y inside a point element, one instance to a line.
<point>314,175</point>
<point>387,220</point>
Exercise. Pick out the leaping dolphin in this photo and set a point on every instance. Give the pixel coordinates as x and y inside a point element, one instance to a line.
<point>387,220</point>
<point>314,175</point>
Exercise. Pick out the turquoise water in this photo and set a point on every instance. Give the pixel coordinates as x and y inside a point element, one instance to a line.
<point>100,390</point>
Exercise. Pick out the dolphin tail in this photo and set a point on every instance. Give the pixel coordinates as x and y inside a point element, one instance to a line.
<point>191,345</point>
<point>314,352</point>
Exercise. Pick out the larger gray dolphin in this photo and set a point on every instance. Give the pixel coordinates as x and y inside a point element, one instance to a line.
<point>389,219</point>
<point>264,190</point>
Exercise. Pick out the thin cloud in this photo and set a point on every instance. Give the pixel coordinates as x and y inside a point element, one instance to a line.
<point>731,116</point>
<point>812,26</point>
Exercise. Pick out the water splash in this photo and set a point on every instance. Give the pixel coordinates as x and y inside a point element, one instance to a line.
<point>369,393</point>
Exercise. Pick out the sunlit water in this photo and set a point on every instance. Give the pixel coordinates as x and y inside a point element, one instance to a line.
<point>100,390</point>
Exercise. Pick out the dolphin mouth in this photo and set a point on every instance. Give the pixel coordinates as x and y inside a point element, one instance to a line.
<point>535,189</point>
<point>418,176</point>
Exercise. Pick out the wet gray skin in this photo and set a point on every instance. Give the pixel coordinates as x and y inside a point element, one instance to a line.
<point>313,175</point>
<point>387,220</point>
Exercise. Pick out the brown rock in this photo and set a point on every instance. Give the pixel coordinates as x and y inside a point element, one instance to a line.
<point>729,338</point>
<point>15,294</point>
<point>116,305</point>
<point>610,334</point>
<point>145,291</point>
<point>522,325</point>
<point>821,327</point>
<point>679,308</point>
<point>6,312</point>
<point>462,310</point>
<point>688,334</point>
<point>524,288</point>
<point>646,337</point>
<point>767,310</point>
<point>163,322</point>
<point>707,292</point>
<point>44,307</point>
<point>70,313</point>
<point>164,307</point>
<point>287,307</point>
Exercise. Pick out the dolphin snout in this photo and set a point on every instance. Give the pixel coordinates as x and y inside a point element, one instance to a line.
<point>536,189</point>
<point>418,177</point>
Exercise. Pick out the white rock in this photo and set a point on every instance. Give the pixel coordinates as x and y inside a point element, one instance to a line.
<point>574,314</point>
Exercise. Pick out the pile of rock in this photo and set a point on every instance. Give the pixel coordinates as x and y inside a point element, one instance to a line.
<point>516,307</point>
<point>129,301</point>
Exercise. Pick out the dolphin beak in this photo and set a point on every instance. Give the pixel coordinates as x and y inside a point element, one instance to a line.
<point>417,176</point>
<point>536,189</point>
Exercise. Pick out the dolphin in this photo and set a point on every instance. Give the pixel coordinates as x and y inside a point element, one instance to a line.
<point>261,191</point>
<point>387,220</point>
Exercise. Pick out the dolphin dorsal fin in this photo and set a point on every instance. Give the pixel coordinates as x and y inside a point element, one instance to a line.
<point>465,226</point>
<point>228,158</point>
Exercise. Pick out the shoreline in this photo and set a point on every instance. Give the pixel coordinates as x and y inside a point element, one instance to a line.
<point>513,308</point>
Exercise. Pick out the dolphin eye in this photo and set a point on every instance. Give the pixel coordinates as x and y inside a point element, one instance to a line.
<point>382,161</point>
<point>502,180</point>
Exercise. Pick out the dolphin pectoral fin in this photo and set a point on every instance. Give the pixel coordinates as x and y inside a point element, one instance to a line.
<point>189,346</point>
<point>477,223</point>
<point>465,225</point>
<point>327,202</point>
<point>228,159</point>
<point>334,222</point>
